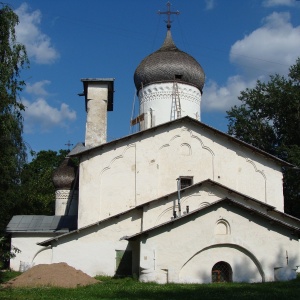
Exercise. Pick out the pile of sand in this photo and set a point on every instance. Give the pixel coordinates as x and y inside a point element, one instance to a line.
<point>59,275</point>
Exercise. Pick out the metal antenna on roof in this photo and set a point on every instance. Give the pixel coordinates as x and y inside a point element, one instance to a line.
<point>169,13</point>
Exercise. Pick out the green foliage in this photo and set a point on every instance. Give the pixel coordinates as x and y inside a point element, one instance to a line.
<point>129,289</point>
<point>37,193</point>
<point>6,252</point>
<point>269,118</point>
<point>13,59</point>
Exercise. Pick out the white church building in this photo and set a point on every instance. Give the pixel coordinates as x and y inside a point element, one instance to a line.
<point>178,201</point>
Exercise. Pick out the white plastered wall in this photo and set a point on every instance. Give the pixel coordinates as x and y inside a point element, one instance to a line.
<point>187,250</point>
<point>133,171</point>
<point>198,197</point>
<point>157,103</point>
<point>195,197</point>
<point>96,123</point>
<point>93,250</point>
<point>66,202</point>
<point>27,244</point>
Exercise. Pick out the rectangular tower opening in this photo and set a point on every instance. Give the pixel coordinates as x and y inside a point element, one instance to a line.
<point>185,181</point>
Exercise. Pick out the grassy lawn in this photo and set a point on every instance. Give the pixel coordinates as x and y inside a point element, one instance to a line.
<point>131,289</point>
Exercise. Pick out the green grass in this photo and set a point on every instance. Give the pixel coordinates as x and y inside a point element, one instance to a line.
<point>7,275</point>
<point>131,289</point>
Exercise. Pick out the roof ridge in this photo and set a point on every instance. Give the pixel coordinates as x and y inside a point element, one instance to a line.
<point>225,199</point>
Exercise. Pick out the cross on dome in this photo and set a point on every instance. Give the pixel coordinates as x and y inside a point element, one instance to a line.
<point>69,144</point>
<point>169,13</point>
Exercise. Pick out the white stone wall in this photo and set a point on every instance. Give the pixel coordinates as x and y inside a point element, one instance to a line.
<point>93,250</point>
<point>27,244</point>
<point>198,197</point>
<point>157,105</point>
<point>131,172</point>
<point>186,251</point>
<point>96,123</point>
<point>63,202</point>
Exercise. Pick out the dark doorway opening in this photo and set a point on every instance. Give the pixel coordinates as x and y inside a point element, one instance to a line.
<point>123,263</point>
<point>221,272</point>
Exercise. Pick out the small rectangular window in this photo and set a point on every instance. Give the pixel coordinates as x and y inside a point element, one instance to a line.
<point>185,181</point>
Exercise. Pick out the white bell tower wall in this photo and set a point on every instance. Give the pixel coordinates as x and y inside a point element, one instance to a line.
<point>98,94</point>
<point>157,103</point>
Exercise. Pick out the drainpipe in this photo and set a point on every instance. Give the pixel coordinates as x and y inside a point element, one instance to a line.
<point>151,117</point>
<point>178,191</point>
<point>174,209</point>
<point>174,205</point>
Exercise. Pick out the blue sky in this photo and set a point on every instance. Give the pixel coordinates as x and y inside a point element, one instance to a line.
<point>235,41</point>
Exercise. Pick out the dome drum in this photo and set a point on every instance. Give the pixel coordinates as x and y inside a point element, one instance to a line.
<point>156,103</point>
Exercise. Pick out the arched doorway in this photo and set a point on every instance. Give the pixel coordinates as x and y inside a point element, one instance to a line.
<point>221,272</point>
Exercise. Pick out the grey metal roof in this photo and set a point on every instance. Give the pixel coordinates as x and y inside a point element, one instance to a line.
<point>215,203</point>
<point>166,63</point>
<point>79,148</point>
<point>36,223</point>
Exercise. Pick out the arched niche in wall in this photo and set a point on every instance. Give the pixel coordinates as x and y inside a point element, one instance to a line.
<point>185,154</point>
<point>251,179</point>
<point>222,227</point>
<point>245,265</point>
<point>117,183</point>
<point>203,204</point>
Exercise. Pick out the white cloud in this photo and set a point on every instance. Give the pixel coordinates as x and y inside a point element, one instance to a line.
<point>40,115</point>
<point>222,98</point>
<point>268,50</point>
<point>273,48</point>
<point>209,4</point>
<point>37,43</point>
<point>37,88</point>
<point>271,3</point>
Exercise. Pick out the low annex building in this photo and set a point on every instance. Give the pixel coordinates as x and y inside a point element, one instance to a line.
<point>178,201</point>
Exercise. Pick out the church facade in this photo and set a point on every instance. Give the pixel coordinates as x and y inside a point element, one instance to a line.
<point>178,201</point>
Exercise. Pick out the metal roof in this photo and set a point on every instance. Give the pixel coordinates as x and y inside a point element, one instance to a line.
<point>64,176</point>
<point>215,203</point>
<point>36,223</point>
<point>208,181</point>
<point>168,64</point>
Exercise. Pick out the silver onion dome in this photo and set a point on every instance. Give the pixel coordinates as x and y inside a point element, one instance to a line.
<point>169,63</point>
<point>64,175</point>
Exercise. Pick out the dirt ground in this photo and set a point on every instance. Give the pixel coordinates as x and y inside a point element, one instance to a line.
<point>59,275</point>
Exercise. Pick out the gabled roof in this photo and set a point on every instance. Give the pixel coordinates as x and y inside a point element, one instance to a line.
<point>208,181</point>
<point>41,224</point>
<point>215,203</point>
<point>80,149</point>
